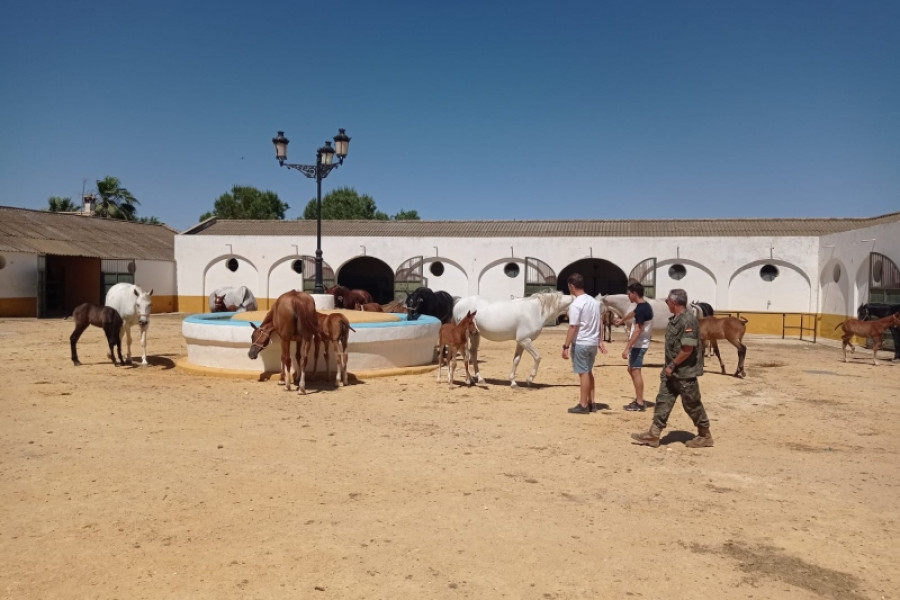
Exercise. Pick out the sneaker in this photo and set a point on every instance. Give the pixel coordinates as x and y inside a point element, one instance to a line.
<point>634,407</point>
<point>578,409</point>
<point>593,406</point>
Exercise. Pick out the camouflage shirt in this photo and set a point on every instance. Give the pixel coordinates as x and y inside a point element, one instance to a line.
<point>684,330</point>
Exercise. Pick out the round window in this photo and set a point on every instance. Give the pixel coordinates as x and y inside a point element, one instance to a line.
<point>768,272</point>
<point>232,264</point>
<point>437,268</point>
<point>677,271</point>
<point>511,270</point>
<point>2,261</point>
<point>837,273</point>
<point>297,266</point>
<point>132,267</point>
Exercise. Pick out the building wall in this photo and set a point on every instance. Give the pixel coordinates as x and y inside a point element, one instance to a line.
<point>18,285</point>
<point>826,277</point>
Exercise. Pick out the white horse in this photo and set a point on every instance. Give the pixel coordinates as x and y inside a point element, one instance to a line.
<point>620,305</point>
<point>520,319</point>
<point>133,304</point>
<point>233,299</point>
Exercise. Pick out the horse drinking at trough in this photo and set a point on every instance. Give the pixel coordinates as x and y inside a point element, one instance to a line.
<point>134,306</point>
<point>104,317</point>
<point>424,301</point>
<point>232,299</point>
<point>454,338</point>
<point>519,319</point>
<point>344,297</point>
<point>334,332</point>
<point>293,318</point>
<point>725,328</point>
<point>867,329</point>
<point>875,310</point>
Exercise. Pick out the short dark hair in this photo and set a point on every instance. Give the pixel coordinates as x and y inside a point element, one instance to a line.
<point>637,288</point>
<point>576,280</point>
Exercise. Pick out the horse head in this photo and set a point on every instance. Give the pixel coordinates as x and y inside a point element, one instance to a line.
<point>553,304</point>
<point>414,303</point>
<point>143,306</point>
<point>259,339</point>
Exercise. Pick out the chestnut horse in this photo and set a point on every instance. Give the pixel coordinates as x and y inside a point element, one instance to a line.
<point>334,332</point>
<point>104,317</point>
<point>344,297</point>
<point>293,318</point>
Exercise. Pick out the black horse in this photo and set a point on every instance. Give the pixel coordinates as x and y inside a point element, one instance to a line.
<point>106,318</point>
<point>424,301</point>
<point>874,311</point>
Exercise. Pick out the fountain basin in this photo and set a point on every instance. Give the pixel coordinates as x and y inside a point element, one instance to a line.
<point>220,341</point>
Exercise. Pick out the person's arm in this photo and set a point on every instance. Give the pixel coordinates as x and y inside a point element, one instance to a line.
<point>635,334</point>
<point>571,334</point>
<point>683,355</point>
<point>627,317</point>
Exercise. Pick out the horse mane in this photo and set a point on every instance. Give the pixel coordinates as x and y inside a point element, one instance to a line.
<point>549,301</point>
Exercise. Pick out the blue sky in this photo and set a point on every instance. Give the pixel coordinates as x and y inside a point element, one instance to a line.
<point>460,110</point>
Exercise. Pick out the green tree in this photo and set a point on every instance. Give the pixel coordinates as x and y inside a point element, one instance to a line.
<point>245,202</point>
<point>115,201</point>
<point>149,220</point>
<point>407,215</point>
<point>58,204</point>
<point>346,203</point>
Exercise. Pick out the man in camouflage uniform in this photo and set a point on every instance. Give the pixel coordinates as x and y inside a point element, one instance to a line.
<point>684,363</point>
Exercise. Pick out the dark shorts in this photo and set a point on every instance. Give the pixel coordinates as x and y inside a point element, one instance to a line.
<point>636,358</point>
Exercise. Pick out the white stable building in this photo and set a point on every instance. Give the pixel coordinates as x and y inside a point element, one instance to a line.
<point>803,275</point>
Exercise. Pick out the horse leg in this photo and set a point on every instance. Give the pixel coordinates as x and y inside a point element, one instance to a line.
<point>451,365</point>
<point>529,345</point>
<point>876,346</point>
<point>715,347</point>
<point>73,340</point>
<point>440,355</point>
<point>144,362</point>
<point>317,341</point>
<point>329,345</point>
<point>345,378</point>
<point>126,335</point>
<point>286,364</point>
<point>845,341</point>
<point>303,346</point>
<point>742,352</point>
<point>474,342</point>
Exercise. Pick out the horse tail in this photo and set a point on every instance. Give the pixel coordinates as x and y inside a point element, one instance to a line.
<point>839,324</point>
<point>742,320</point>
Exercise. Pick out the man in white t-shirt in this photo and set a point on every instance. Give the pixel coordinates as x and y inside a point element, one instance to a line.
<point>583,337</point>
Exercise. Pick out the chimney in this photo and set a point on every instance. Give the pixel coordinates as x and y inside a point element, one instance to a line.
<point>89,204</point>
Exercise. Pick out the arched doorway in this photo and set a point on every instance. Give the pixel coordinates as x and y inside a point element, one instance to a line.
<point>370,274</point>
<point>600,276</point>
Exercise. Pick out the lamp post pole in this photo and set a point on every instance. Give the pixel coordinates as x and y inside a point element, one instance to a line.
<point>324,165</point>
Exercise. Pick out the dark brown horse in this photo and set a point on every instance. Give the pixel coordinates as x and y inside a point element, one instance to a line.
<point>344,297</point>
<point>104,317</point>
<point>292,318</point>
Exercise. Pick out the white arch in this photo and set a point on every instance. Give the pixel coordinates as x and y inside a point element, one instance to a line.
<point>227,278</point>
<point>791,291</point>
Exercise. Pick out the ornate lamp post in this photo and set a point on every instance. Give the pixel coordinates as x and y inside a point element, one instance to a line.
<point>319,171</point>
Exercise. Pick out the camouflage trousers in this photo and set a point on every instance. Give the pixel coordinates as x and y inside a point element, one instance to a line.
<point>669,390</point>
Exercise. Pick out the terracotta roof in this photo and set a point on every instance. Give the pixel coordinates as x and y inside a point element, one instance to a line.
<point>596,228</point>
<point>66,234</point>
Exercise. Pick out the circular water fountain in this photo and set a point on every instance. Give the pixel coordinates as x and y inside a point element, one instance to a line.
<point>217,343</point>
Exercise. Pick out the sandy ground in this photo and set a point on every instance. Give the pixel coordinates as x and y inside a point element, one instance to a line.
<point>154,483</point>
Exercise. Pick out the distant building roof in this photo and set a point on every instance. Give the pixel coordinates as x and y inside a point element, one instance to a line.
<point>66,234</point>
<point>586,228</point>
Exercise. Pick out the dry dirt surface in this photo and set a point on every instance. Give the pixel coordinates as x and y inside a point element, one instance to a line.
<point>151,482</point>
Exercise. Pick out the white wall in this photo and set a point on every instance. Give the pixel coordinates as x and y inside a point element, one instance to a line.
<point>18,279</point>
<point>723,271</point>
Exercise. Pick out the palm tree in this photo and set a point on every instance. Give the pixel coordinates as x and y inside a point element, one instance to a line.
<point>115,202</point>
<point>58,204</point>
